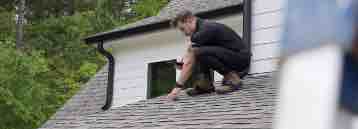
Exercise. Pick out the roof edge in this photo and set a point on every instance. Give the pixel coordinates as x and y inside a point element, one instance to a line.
<point>159,25</point>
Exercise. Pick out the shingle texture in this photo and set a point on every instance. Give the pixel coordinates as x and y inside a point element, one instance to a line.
<point>174,7</point>
<point>88,100</point>
<point>251,107</point>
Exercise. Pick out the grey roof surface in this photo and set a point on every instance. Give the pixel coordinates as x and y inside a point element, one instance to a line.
<point>174,7</point>
<point>251,107</point>
<point>88,100</point>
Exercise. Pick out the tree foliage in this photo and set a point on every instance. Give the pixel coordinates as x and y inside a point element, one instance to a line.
<point>143,10</point>
<point>35,82</point>
<point>7,24</point>
<point>24,93</point>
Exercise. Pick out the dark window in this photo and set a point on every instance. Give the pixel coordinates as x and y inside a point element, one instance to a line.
<point>161,78</point>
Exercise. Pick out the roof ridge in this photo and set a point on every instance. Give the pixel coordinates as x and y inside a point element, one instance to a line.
<point>168,12</point>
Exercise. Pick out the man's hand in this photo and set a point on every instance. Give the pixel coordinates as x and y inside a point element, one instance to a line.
<point>186,69</point>
<point>174,94</point>
<point>179,63</point>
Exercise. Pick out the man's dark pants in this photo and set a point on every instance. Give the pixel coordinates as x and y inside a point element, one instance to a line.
<point>221,60</point>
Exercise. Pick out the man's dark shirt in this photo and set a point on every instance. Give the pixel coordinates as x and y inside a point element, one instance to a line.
<point>215,34</point>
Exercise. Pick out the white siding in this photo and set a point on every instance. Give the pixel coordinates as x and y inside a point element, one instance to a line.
<point>132,58</point>
<point>266,34</point>
<point>267,21</point>
<point>134,53</point>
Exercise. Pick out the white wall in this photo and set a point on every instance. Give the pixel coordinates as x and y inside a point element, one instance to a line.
<point>266,34</point>
<point>132,58</point>
<point>133,54</point>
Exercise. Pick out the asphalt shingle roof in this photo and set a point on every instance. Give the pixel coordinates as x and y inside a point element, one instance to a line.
<point>88,100</point>
<point>251,107</point>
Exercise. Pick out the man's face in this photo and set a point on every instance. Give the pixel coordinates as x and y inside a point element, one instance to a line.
<point>187,27</point>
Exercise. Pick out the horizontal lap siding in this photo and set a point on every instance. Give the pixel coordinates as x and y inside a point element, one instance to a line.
<point>266,34</point>
<point>133,54</point>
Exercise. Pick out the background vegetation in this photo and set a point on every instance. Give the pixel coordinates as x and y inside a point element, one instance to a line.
<point>43,60</point>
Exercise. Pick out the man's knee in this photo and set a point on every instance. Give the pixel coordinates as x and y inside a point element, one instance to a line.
<point>200,52</point>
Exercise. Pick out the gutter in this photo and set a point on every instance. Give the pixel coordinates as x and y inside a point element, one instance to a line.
<point>110,83</point>
<point>118,34</point>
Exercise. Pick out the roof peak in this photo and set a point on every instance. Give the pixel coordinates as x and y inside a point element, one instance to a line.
<point>195,6</point>
<point>168,12</point>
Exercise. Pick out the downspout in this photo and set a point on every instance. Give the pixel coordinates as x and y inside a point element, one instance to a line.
<point>247,22</point>
<point>247,28</point>
<point>111,62</point>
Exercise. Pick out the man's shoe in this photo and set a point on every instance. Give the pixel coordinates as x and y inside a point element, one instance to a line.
<point>196,91</point>
<point>202,86</point>
<point>227,88</point>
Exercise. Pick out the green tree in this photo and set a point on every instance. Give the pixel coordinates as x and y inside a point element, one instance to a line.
<point>142,10</point>
<point>24,94</point>
<point>61,43</point>
<point>7,5</point>
<point>38,81</point>
<point>7,24</point>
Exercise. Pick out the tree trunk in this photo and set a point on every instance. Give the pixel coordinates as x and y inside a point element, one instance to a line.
<point>20,13</point>
<point>68,7</point>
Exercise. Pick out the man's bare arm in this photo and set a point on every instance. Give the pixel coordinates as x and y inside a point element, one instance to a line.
<point>189,60</point>
<point>187,69</point>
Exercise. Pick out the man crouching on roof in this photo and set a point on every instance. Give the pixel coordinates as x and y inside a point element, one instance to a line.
<point>211,46</point>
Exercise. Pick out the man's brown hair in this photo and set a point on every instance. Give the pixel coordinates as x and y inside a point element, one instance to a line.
<point>181,17</point>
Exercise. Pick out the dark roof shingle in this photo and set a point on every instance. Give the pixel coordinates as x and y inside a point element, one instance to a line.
<point>88,100</point>
<point>251,107</point>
